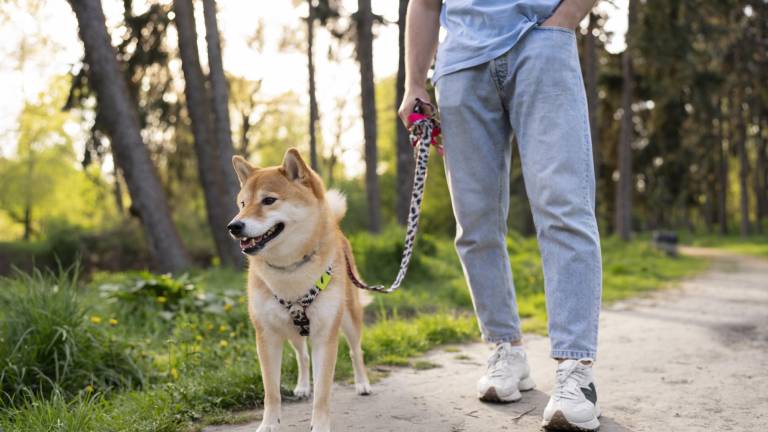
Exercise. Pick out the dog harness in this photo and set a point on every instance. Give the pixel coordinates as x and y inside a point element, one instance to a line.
<point>298,308</point>
<point>424,131</point>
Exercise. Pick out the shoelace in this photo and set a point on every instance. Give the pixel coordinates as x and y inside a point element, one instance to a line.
<point>569,381</point>
<point>501,360</point>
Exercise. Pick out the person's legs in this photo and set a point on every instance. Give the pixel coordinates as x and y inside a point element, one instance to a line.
<point>548,112</point>
<point>476,135</point>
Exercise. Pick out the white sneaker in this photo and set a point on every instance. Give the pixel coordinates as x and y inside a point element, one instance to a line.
<point>506,375</point>
<point>573,404</point>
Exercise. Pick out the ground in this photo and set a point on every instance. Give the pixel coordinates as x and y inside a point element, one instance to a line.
<point>692,358</point>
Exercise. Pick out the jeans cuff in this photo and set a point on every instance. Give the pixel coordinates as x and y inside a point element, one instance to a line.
<point>574,355</point>
<point>502,339</point>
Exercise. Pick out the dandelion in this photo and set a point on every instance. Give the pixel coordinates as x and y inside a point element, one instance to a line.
<point>241,300</point>
<point>209,326</point>
<point>95,319</point>
<point>223,343</point>
<point>227,307</point>
<point>89,388</point>
<point>112,322</point>
<point>161,299</point>
<point>223,328</point>
<point>174,373</point>
<point>232,334</point>
<point>199,338</point>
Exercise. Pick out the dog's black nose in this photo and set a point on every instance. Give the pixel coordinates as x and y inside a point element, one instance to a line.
<point>236,227</point>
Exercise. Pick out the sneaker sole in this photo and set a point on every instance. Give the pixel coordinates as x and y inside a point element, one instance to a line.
<point>558,422</point>
<point>491,395</point>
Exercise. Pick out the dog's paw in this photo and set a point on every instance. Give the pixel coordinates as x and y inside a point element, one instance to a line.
<point>302,392</point>
<point>363,389</point>
<point>267,428</point>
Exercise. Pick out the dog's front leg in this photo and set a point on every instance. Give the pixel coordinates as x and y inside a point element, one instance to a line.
<point>270,350</point>
<point>324,350</point>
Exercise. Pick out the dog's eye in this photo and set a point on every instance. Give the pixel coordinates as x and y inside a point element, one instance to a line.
<point>242,204</point>
<point>268,200</point>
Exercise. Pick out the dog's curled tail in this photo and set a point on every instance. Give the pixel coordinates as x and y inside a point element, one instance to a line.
<point>337,203</point>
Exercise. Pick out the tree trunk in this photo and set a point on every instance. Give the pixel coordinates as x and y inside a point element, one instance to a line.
<point>313,112</point>
<point>403,150</point>
<point>368,99</point>
<point>740,140</point>
<point>761,165</point>
<point>122,124</point>
<point>722,190</point>
<point>590,79</point>
<point>623,215</point>
<point>220,98</point>
<point>219,206</point>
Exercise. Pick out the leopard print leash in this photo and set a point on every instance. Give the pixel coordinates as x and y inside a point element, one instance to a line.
<point>423,132</point>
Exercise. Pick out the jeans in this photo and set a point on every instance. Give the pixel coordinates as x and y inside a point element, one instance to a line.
<point>535,91</point>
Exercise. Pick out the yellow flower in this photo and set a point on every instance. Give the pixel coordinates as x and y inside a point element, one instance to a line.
<point>222,328</point>
<point>161,299</point>
<point>227,307</point>
<point>112,322</point>
<point>95,319</point>
<point>209,326</point>
<point>89,388</point>
<point>223,343</point>
<point>174,373</point>
<point>199,338</point>
<point>241,300</point>
<point>232,334</point>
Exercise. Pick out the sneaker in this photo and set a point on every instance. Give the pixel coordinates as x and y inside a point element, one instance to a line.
<point>573,405</point>
<point>506,375</point>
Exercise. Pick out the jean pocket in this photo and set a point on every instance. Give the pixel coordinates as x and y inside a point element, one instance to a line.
<point>556,29</point>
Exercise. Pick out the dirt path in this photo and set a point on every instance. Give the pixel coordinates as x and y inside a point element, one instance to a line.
<point>688,359</point>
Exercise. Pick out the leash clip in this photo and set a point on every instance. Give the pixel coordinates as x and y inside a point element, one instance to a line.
<point>420,119</point>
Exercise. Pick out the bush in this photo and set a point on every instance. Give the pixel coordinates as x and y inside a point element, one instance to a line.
<point>50,344</point>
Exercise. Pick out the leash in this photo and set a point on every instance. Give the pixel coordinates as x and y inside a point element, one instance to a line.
<point>423,132</point>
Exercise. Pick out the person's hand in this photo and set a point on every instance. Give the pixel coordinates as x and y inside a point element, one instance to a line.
<point>409,102</point>
<point>561,18</point>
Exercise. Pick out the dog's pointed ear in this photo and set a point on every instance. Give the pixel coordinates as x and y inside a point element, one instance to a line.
<point>243,168</point>
<point>293,165</point>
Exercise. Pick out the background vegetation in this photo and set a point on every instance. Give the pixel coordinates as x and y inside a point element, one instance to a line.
<point>121,298</point>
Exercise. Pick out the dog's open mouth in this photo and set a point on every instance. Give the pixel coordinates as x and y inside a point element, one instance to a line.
<point>251,245</point>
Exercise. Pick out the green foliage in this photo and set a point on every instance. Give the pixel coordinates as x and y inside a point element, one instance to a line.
<point>49,345</point>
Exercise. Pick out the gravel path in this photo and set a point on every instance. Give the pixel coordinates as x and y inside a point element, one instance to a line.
<point>694,358</point>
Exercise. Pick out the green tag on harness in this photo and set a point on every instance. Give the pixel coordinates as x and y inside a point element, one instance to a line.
<point>323,282</point>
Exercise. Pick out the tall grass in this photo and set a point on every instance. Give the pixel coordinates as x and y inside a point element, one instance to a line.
<point>49,346</point>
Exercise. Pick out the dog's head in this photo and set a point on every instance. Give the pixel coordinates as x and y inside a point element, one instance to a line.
<point>281,208</point>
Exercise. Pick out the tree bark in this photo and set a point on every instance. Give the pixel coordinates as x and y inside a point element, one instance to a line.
<point>761,165</point>
<point>590,79</point>
<point>122,124</point>
<point>219,206</point>
<point>368,100</point>
<point>740,140</point>
<point>403,150</point>
<point>623,211</point>
<point>313,112</point>
<point>220,98</point>
<point>722,178</point>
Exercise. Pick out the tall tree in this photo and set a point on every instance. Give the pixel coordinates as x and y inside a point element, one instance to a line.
<point>220,98</point>
<point>404,152</point>
<point>122,124</point>
<point>590,82</point>
<point>219,206</point>
<point>623,210</point>
<point>313,112</point>
<point>738,134</point>
<point>368,99</point>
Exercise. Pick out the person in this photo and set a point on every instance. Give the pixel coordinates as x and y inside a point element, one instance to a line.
<point>511,67</point>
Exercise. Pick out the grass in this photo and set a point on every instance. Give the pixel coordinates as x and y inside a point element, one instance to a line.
<point>172,354</point>
<point>755,245</point>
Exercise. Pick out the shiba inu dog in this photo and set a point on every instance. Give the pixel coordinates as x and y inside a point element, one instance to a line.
<point>301,276</point>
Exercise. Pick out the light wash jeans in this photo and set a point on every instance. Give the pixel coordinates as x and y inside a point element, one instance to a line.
<point>535,91</point>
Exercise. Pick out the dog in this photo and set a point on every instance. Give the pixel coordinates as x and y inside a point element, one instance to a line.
<point>288,226</point>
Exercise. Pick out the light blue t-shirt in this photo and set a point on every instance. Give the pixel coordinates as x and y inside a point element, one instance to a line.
<point>478,31</point>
